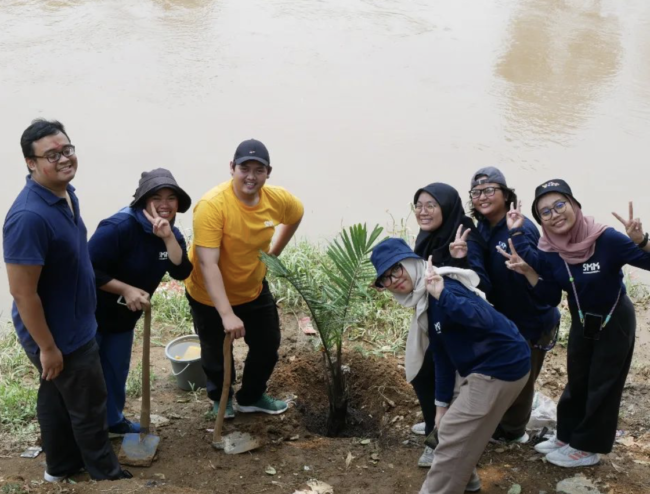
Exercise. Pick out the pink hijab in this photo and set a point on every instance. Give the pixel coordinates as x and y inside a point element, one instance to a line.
<point>579,244</point>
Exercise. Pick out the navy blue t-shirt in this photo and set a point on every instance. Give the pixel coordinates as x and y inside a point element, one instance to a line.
<point>598,280</point>
<point>124,248</point>
<point>40,230</point>
<point>510,294</point>
<point>468,335</point>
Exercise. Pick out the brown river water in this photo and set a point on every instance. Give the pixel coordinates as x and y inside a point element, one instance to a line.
<point>360,102</point>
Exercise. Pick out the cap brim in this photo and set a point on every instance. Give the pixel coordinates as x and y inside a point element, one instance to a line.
<point>244,159</point>
<point>386,265</point>
<point>184,200</point>
<point>536,200</point>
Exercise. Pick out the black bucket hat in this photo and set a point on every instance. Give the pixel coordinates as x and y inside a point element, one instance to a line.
<point>157,179</point>
<point>556,185</point>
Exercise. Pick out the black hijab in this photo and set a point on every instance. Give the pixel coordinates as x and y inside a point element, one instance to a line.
<point>436,243</point>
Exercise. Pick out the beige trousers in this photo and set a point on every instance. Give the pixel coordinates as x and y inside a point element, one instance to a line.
<point>466,429</point>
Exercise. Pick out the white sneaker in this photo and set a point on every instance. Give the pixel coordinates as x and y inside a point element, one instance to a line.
<point>520,440</point>
<point>52,478</point>
<point>426,459</point>
<point>549,445</point>
<point>569,457</point>
<point>419,429</point>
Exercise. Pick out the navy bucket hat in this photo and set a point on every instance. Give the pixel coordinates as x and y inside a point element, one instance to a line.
<point>388,253</point>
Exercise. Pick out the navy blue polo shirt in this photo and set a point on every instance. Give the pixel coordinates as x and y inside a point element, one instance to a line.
<point>40,230</point>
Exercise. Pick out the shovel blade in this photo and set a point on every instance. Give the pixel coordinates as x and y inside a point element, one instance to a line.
<point>240,442</point>
<point>138,451</point>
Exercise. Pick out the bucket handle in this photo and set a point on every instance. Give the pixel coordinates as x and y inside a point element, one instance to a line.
<point>179,373</point>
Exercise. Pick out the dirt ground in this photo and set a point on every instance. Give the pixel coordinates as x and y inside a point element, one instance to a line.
<point>383,410</point>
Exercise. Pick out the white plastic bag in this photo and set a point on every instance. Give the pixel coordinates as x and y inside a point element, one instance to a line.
<point>544,413</point>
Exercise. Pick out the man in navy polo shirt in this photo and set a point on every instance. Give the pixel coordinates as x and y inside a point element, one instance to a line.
<point>52,282</point>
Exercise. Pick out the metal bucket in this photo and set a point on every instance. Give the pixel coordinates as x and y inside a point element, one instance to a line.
<point>185,355</point>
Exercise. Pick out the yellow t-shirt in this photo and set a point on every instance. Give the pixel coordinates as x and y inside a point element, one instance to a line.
<point>221,221</point>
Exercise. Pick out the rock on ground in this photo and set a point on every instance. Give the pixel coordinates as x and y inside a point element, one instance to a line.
<point>577,485</point>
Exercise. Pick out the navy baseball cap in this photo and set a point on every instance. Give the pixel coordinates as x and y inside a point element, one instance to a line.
<point>388,253</point>
<point>556,185</point>
<point>252,150</point>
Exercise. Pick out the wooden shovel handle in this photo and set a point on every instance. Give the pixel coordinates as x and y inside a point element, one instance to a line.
<point>225,390</point>
<point>145,410</point>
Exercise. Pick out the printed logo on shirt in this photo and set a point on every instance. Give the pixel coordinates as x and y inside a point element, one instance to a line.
<point>437,327</point>
<point>591,268</point>
<point>503,246</point>
<point>550,184</point>
<point>269,224</point>
<point>162,256</point>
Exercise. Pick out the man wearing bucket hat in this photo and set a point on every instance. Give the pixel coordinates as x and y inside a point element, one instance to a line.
<point>228,292</point>
<point>131,251</point>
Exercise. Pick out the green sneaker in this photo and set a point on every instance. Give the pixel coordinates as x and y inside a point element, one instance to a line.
<point>230,411</point>
<point>265,404</point>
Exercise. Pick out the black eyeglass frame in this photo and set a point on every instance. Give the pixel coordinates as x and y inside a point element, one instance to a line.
<point>55,156</point>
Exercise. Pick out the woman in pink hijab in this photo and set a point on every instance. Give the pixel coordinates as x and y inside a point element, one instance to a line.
<point>585,259</point>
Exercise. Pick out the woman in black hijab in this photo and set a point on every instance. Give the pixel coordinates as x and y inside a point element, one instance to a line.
<point>439,213</point>
<point>451,239</point>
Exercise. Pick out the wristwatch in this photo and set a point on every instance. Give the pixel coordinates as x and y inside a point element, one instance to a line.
<point>644,242</point>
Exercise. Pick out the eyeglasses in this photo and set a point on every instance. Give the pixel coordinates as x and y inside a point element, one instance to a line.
<point>392,275</point>
<point>558,207</point>
<point>430,207</point>
<point>55,156</point>
<point>488,192</point>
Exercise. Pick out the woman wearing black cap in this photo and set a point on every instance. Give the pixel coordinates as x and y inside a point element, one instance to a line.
<point>537,321</point>
<point>131,251</point>
<point>451,239</point>
<point>585,259</point>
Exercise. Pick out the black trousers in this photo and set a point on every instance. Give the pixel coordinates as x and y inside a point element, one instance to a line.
<point>262,325</point>
<point>587,413</point>
<point>71,411</point>
<point>424,385</point>
<point>514,421</point>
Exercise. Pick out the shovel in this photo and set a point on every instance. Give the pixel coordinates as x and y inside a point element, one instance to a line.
<point>237,442</point>
<point>139,449</point>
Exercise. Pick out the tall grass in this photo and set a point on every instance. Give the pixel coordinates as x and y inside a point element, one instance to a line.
<point>18,389</point>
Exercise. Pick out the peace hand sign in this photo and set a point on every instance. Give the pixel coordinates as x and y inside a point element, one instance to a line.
<point>633,226</point>
<point>161,227</point>
<point>435,283</point>
<point>458,248</point>
<point>514,261</point>
<point>514,218</point>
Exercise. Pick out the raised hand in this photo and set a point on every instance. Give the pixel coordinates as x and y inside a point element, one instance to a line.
<point>514,261</point>
<point>161,227</point>
<point>458,248</point>
<point>435,283</point>
<point>633,226</point>
<point>514,218</point>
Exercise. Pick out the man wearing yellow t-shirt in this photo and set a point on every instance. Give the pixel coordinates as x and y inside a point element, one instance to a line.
<point>229,293</point>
